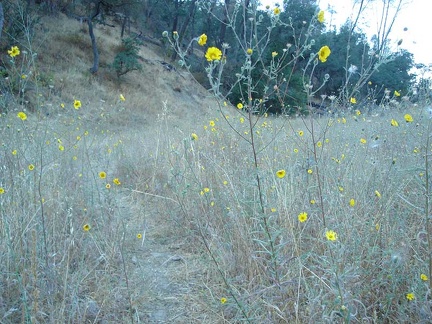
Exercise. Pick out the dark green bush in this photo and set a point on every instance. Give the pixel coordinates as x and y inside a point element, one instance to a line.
<point>127,58</point>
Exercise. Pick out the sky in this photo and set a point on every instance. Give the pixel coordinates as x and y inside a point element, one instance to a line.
<point>414,16</point>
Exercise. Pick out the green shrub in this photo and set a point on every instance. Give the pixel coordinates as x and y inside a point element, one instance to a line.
<point>127,58</point>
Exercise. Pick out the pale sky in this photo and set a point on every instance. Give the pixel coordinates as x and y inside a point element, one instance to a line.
<point>414,16</point>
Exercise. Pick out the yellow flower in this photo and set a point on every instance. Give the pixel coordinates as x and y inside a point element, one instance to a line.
<point>352,202</point>
<point>14,51</point>
<point>108,186</point>
<point>302,217</point>
<point>249,51</point>
<point>206,190</point>
<point>341,189</point>
<point>14,152</point>
<point>397,93</point>
<point>122,98</point>
<point>377,193</point>
<point>410,296</point>
<point>273,210</point>
<point>295,150</point>
<point>276,11</point>
<point>274,54</point>
<point>324,53</point>
<point>22,115</point>
<point>408,118</point>
<point>212,123</point>
<point>62,105</point>
<point>280,174</point>
<point>61,147</point>
<point>331,235</point>
<point>139,236</point>
<point>223,300</point>
<point>353,100</point>
<point>213,53</point>
<point>309,171</point>
<point>77,104</point>
<point>358,112</point>
<point>202,40</point>
<point>320,16</point>
<point>2,191</point>
<point>363,140</point>
<point>301,133</point>
<point>240,105</point>
<point>31,167</point>
<point>86,227</point>
<point>102,175</point>
<point>117,181</point>
<point>319,144</point>
<point>242,120</point>
<point>423,277</point>
<point>394,123</point>
<point>194,136</point>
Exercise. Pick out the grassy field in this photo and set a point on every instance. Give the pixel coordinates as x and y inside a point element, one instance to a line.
<point>156,209</point>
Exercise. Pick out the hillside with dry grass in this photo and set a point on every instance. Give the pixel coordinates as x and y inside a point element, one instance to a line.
<point>170,207</point>
<point>64,55</point>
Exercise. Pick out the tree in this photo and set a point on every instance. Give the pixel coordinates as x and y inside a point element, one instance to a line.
<point>127,59</point>
<point>394,75</point>
<point>89,10</point>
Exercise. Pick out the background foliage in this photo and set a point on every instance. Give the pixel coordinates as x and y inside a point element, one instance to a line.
<point>190,18</point>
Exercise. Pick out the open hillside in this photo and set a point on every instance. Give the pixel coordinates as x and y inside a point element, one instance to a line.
<point>64,56</point>
<point>145,200</point>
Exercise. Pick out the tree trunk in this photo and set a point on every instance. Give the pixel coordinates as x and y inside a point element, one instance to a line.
<point>185,25</point>
<point>176,15</point>
<point>95,66</point>
<point>125,19</point>
<point>1,19</point>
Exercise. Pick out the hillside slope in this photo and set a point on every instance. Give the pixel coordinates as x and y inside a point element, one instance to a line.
<point>64,57</point>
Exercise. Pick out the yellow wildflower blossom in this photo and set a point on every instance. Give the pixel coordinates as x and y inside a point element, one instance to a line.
<point>202,40</point>
<point>324,53</point>
<point>331,235</point>
<point>14,51</point>
<point>77,104</point>
<point>281,173</point>
<point>22,115</point>
<point>213,53</point>
<point>320,16</point>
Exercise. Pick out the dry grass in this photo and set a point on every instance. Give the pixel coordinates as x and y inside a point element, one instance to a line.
<point>184,228</point>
